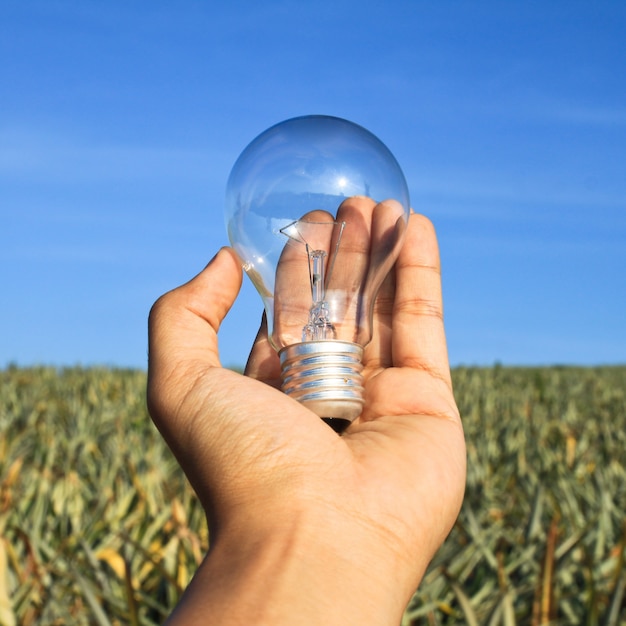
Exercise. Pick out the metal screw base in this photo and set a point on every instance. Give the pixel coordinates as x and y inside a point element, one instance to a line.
<point>325,376</point>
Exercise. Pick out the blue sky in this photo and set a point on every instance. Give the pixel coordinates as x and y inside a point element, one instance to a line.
<point>120,121</point>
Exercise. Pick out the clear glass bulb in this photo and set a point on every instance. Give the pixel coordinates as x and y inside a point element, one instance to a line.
<point>300,214</point>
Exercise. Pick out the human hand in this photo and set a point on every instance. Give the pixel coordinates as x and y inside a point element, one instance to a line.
<point>306,526</point>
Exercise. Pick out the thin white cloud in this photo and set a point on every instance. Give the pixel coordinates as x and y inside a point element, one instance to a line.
<point>596,116</point>
<point>554,108</point>
<point>46,157</point>
<point>502,194</point>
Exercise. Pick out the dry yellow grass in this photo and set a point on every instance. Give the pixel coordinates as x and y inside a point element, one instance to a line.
<point>98,525</point>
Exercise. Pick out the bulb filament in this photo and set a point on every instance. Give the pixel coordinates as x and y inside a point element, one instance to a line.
<point>319,326</point>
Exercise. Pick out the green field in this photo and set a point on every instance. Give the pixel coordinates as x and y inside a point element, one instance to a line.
<point>98,526</point>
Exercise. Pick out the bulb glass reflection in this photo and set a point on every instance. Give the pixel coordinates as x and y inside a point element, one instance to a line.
<point>316,208</point>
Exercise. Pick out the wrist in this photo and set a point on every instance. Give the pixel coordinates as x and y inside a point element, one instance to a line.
<point>300,569</point>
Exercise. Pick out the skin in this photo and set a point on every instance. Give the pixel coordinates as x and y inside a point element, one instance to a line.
<point>306,526</point>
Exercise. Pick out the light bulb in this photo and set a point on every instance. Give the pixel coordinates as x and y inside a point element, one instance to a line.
<point>316,208</point>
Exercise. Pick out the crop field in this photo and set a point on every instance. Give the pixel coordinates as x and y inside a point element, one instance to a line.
<point>98,525</point>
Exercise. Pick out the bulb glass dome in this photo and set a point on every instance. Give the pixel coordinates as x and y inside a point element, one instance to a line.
<point>316,208</point>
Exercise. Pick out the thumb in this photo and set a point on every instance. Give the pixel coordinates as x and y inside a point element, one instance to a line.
<point>182,329</point>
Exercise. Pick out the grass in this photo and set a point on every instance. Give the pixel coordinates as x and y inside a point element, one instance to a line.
<point>98,525</point>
